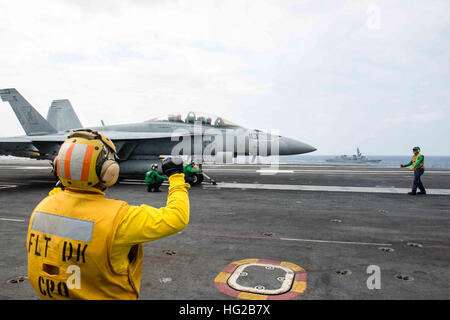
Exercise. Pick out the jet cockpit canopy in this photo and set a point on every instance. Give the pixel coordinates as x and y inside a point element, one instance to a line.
<point>197,117</point>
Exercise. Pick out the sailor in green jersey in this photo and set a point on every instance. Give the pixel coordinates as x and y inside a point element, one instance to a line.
<point>189,173</point>
<point>153,179</point>
<point>417,162</point>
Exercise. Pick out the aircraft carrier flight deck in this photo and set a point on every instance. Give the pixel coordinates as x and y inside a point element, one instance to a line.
<point>328,223</point>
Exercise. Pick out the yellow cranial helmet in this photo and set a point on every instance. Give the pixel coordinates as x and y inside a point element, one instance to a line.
<point>86,159</point>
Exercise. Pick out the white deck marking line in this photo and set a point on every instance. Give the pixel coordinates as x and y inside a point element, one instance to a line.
<point>7,219</point>
<point>338,242</point>
<point>132,182</point>
<point>369,171</point>
<point>295,187</point>
<point>325,171</point>
<point>136,182</point>
<point>283,239</point>
<point>274,171</point>
<point>281,165</point>
<point>289,187</point>
<point>299,165</point>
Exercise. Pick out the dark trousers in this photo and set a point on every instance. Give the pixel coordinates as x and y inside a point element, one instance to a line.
<point>417,182</point>
<point>158,182</point>
<point>189,179</point>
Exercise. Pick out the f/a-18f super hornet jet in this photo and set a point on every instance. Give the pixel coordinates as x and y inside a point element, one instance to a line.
<point>137,144</point>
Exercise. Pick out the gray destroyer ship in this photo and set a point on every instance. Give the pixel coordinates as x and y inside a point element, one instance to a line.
<point>356,158</point>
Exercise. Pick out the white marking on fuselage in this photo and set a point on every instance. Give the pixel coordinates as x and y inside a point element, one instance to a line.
<point>7,186</point>
<point>23,168</point>
<point>8,219</point>
<point>294,187</point>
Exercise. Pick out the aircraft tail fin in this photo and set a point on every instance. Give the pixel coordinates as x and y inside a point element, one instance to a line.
<point>32,122</point>
<point>62,116</point>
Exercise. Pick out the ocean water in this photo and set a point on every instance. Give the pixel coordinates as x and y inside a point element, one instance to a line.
<point>440,162</point>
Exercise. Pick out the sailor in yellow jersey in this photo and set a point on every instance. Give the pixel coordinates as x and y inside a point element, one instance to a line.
<point>82,245</point>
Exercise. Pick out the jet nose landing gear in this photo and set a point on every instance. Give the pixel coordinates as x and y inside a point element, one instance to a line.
<point>198,178</point>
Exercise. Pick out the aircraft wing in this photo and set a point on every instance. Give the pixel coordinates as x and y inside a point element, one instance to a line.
<point>46,146</point>
<point>18,146</point>
<point>15,140</point>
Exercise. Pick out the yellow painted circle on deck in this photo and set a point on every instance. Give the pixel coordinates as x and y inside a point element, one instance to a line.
<point>290,288</point>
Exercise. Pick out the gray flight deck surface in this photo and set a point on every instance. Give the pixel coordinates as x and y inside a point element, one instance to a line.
<point>249,215</point>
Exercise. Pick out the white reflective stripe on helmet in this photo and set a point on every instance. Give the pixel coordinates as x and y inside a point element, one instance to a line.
<point>64,227</point>
<point>76,161</point>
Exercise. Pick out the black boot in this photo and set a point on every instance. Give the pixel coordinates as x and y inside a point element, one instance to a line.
<point>412,193</point>
<point>422,192</point>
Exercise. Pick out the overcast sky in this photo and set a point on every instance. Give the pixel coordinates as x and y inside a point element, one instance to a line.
<point>334,74</point>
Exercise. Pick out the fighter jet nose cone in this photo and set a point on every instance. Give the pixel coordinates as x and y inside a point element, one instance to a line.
<point>311,148</point>
<point>290,146</point>
<point>300,147</point>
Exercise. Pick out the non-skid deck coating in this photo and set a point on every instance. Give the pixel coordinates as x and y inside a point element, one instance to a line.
<point>325,219</point>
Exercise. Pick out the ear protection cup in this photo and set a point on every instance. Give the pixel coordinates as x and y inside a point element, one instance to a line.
<point>109,173</point>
